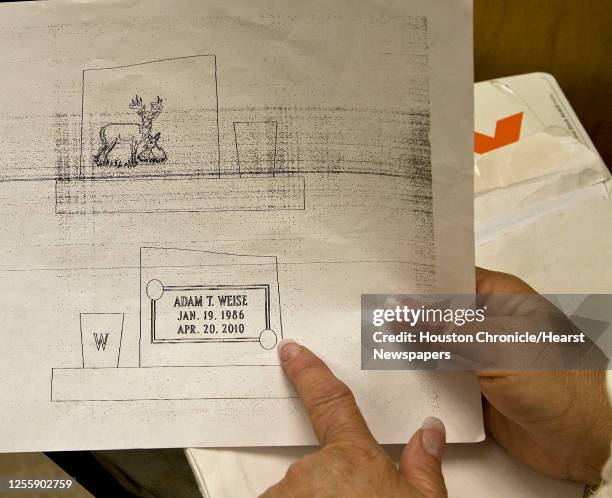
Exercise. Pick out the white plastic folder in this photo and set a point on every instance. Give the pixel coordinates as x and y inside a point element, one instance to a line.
<point>185,183</point>
<point>541,161</point>
<point>481,470</point>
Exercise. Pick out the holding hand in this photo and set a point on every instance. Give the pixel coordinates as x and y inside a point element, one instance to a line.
<point>350,462</point>
<point>557,422</point>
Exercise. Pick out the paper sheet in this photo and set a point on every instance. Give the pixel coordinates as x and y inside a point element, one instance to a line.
<point>482,470</point>
<point>542,161</point>
<point>185,183</point>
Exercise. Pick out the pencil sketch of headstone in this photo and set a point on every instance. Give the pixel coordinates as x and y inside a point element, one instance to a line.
<point>256,147</point>
<point>209,325</point>
<point>124,165</point>
<point>143,145</point>
<point>101,335</point>
<point>122,117</point>
<point>207,306</point>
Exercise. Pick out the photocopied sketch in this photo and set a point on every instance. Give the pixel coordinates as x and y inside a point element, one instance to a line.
<point>256,143</point>
<point>101,339</point>
<point>124,164</point>
<point>124,107</point>
<point>185,184</point>
<point>198,309</point>
<point>142,143</point>
<point>217,313</point>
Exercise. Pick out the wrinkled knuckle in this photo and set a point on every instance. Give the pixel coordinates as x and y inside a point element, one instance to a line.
<point>327,395</point>
<point>328,408</point>
<point>337,429</point>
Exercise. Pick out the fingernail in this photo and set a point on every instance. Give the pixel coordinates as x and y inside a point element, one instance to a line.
<point>433,436</point>
<point>288,349</point>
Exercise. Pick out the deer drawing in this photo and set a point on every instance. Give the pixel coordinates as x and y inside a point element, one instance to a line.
<point>151,151</point>
<point>135,135</point>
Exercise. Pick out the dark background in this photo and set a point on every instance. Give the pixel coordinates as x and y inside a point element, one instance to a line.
<point>571,39</point>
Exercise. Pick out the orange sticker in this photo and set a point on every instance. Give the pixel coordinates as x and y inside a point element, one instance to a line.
<point>507,131</point>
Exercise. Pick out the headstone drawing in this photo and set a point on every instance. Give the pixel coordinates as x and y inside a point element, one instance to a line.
<point>130,149</point>
<point>209,323</point>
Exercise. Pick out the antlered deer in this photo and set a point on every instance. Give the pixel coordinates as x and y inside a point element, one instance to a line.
<point>133,134</point>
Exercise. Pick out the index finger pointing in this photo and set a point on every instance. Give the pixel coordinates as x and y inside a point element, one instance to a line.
<point>331,406</point>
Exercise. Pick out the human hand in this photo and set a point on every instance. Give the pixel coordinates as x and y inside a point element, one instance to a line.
<point>557,422</point>
<point>350,462</point>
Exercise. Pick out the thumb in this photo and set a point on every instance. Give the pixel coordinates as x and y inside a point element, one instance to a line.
<point>421,461</point>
